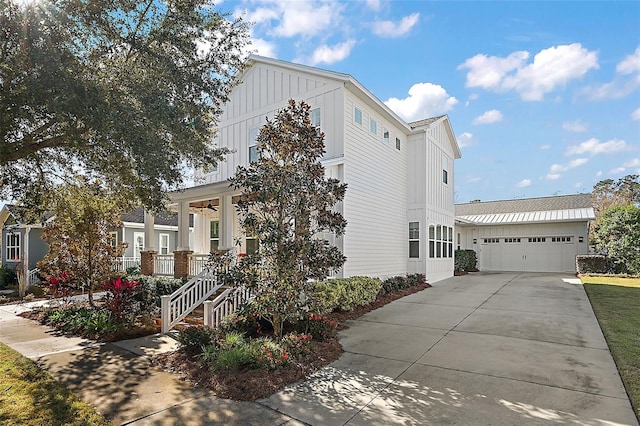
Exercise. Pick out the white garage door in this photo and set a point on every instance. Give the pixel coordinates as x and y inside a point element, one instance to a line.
<point>530,254</point>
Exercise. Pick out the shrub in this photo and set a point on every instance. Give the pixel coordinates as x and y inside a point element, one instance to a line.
<point>320,327</point>
<point>297,345</point>
<point>325,298</point>
<point>393,284</point>
<point>344,294</point>
<point>267,354</point>
<point>83,321</point>
<point>194,339</point>
<point>120,299</point>
<point>151,290</point>
<point>592,264</point>
<point>8,277</point>
<point>465,261</point>
<point>245,322</point>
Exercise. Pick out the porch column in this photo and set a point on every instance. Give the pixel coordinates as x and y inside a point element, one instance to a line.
<point>226,223</point>
<point>147,262</point>
<point>183,226</point>
<point>149,231</point>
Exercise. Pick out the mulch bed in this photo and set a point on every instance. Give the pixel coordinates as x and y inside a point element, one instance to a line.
<point>249,385</point>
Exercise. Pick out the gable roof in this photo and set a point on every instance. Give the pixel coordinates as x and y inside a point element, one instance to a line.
<point>362,92</point>
<point>564,208</point>
<point>164,218</point>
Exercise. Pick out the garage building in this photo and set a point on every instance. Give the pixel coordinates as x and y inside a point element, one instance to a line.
<point>532,235</point>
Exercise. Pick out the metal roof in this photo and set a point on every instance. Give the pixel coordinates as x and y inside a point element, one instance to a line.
<point>565,208</point>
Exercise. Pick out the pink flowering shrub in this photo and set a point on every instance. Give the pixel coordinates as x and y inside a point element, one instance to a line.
<point>120,299</point>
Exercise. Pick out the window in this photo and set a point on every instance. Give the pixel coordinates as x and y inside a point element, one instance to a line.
<point>113,239</point>
<point>432,243</point>
<point>450,242</point>
<point>138,244</point>
<point>491,240</point>
<point>445,169</point>
<point>398,144</point>
<point>253,145</point>
<point>560,239</point>
<point>373,126</point>
<point>214,235</point>
<point>538,240</point>
<point>13,247</point>
<point>414,240</point>
<point>314,117</point>
<point>252,245</point>
<point>512,240</point>
<point>385,135</point>
<point>458,241</point>
<point>438,241</point>
<point>163,247</point>
<point>357,115</point>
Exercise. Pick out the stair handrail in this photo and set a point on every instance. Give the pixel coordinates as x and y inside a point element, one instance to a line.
<point>184,300</point>
<point>224,304</point>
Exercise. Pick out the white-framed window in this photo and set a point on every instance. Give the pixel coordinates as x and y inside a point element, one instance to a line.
<point>414,240</point>
<point>373,126</point>
<point>251,245</point>
<point>138,244</point>
<point>432,241</point>
<point>12,245</point>
<point>398,144</point>
<point>163,246</point>
<point>113,238</point>
<point>458,241</point>
<point>385,135</point>
<point>314,117</point>
<point>438,241</point>
<point>214,235</point>
<point>445,169</point>
<point>253,144</point>
<point>357,115</point>
<point>450,242</point>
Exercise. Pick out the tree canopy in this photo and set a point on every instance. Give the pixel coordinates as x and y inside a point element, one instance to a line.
<point>128,91</point>
<point>621,192</point>
<point>288,205</point>
<point>618,234</point>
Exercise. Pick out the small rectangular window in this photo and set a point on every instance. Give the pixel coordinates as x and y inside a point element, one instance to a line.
<point>432,243</point>
<point>314,117</point>
<point>113,239</point>
<point>373,126</point>
<point>251,245</point>
<point>253,145</point>
<point>164,244</point>
<point>398,144</point>
<point>13,247</point>
<point>385,135</point>
<point>214,235</point>
<point>445,169</point>
<point>138,244</point>
<point>357,115</point>
<point>414,240</point>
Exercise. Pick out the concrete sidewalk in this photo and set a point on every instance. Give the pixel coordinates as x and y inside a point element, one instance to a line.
<point>478,349</point>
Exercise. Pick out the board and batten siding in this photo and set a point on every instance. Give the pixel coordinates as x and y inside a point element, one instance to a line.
<point>375,205</point>
<point>265,90</point>
<point>430,200</point>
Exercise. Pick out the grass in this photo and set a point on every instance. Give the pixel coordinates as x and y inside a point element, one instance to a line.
<point>30,396</point>
<point>616,303</point>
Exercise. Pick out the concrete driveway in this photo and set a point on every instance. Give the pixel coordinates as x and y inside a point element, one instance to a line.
<point>486,348</point>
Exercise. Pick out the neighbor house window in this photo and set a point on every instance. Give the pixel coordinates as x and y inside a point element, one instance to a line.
<point>450,242</point>
<point>253,145</point>
<point>398,144</point>
<point>445,169</point>
<point>13,247</point>
<point>432,241</point>
<point>314,117</point>
<point>357,115</point>
<point>214,235</point>
<point>163,246</point>
<point>138,244</point>
<point>385,135</point>
<point>373,126</point>
<point>251,245</point>
<point>113,239</point>
<point>414,240</point>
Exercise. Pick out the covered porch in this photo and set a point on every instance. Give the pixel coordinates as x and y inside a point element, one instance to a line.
<point>215,227</point>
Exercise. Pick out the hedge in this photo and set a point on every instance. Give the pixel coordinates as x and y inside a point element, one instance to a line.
<point>465,261</point>
<point>592,264</point>
<point>344,294</point>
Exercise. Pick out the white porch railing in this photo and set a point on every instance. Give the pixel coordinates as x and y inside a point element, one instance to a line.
<point>188,297</point>
<point>32,277</point>
<point>163,264</point>
<point>226,303</point>
<point>197,263</point>
<point>122,263</point>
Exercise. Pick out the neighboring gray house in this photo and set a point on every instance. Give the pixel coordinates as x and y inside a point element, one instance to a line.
<point>22,244</point>
<point>533,234</point>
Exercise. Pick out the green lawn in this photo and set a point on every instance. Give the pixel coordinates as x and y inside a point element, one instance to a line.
<point>616,303</point>
<point>30,396</point>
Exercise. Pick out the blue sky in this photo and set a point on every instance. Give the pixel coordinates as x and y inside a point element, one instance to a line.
<point>544,97</point>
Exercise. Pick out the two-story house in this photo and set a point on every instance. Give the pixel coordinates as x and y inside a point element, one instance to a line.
<point>400,199</point>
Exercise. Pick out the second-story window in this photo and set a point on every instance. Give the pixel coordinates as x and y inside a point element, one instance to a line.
<point>253,145</point>
<point>445,169</point>
<point>357,115</point>
<point>314,117</point>
<point>414,240</point>
<point>398,144</point>
<point>373,126</point>
<point>385,135</point>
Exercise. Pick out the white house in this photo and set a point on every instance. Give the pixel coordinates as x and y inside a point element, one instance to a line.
<point>399,202</point>
<point>534,234</point>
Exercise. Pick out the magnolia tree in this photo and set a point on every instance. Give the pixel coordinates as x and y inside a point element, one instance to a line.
<point>618,234</point>
<point>287,204</point>
<point>81,249</point>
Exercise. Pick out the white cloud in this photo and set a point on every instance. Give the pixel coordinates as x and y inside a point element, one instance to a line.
<point>633,163</point>
<point>374,4</point>
<point>630,64</point>
<point>524,183</point>
<point>390,29</point>
<point>492,116</point>
<point>262,47</point>
<point>332,54</point>
<point>551,68</point>
<point>545,146</point>
<point>259,15</point>
<point>424,100</point>
<point>553,176</point>
<point>617,170</point>
<point>594,147</point>
<point>305,18</point>
<point>559,168</point>
<point>575,126</point>
<point>635,115</point>
<point>466,139</point>
<point>599,173</point>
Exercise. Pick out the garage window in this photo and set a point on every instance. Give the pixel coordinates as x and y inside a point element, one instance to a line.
<point>432,242</point>
<point>560,239</point>
<point>512,240</point>
<point>538,240</point>
<point>491,240</point>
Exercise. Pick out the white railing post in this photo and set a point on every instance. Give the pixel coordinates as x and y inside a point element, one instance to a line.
<point>165,312</point>
<point>208,309</point>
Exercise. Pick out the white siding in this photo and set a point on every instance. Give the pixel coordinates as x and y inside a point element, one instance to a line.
<point>375,206</point>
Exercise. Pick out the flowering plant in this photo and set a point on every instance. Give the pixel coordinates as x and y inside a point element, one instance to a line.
<point>120,298</point>
<point>59,286</point>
